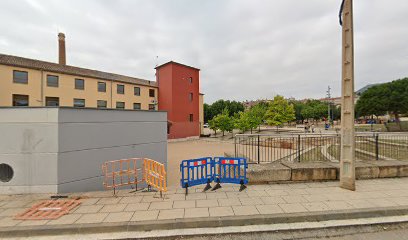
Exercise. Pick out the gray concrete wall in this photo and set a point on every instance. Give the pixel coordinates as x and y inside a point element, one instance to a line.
<point>62,149</point>
<point>29,144</point>
<point>88,137</point>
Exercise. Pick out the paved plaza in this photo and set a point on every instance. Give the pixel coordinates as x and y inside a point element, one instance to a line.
<point>147,207</point>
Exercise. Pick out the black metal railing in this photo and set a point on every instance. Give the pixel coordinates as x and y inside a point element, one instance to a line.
<point>262,148</point>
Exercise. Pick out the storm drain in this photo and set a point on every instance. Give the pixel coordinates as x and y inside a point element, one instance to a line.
<point>48,209</point>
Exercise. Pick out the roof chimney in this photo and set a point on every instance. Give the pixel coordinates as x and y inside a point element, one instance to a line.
<point>61,49</point>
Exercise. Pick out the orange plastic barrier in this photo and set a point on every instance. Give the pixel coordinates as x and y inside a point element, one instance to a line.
<point>122,172</point>
<point>155,174</point>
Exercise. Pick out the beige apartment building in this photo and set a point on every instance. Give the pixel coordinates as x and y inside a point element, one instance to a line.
<point>29,82</point>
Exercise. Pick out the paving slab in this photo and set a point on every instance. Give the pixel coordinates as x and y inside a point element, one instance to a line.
<point>251,201</point>
<point>196,212</point>
<point>64,220</point>
<point>161,205</point>
<point>92,218</point>
<point>145,215</point>
<point>171,214</point>
<point>245,210</point>
<point>113,208</point>
<point>184,204</point>
<point>136,199</point>
<point>292,207</point>
<point>229,202</point>
<point>207,203</point>
<point>131,207</point>
<point>269,209</point>
<point>89,209</point>
<point>118,217</point>
<point>221,211</point>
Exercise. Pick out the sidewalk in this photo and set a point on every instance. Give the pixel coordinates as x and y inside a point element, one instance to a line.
<point>258,204</point>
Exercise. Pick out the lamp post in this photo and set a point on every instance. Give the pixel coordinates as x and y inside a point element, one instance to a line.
<point>347,152</point>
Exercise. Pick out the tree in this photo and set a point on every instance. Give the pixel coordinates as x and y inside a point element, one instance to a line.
<point>213,125</point>
<point>389,97</point>
<point>242,121</point>
<point>256,115</point>
<point>224,122</point>
<point>373,101</point>
<point>398,98</point>
<point>279,112</point>
<point>314,109</point>
<point>210,111</point>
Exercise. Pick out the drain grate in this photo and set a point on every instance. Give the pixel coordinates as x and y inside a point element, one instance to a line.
<point>48,209</point>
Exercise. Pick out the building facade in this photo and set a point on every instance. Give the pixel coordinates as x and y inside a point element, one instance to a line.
<point>29,82</point>
<point>179,95</point>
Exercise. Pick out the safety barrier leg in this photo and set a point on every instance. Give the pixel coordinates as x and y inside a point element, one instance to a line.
<point>217,186</point>
<point>208,186</point>
<point>242,187</point>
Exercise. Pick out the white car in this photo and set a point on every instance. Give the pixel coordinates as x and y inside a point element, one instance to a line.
<point>205,125</point>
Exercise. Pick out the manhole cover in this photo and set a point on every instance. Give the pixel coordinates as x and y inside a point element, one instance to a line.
<point>48,209</point>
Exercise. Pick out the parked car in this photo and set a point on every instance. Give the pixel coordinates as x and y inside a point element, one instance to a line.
<point>205,125</point>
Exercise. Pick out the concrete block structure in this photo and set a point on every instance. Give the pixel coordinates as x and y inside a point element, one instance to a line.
<point>59,150</point>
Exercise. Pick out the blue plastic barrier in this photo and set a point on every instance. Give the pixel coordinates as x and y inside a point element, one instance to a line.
<point>195,172</point>
<point>230,170</point>
<point>220,169</point>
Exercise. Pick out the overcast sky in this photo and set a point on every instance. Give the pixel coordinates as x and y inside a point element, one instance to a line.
<point>246,49</point>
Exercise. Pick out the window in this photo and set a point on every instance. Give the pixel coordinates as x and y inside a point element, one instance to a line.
<point>101,86</point>
<point>20,77</point>
<point>102,104</point>
<point>190,97</point>
<point>79,102</point>
<point>20,100</point>
<point>120,105</point>
<point>79,84</point>
<point>52,81</point>
<point>137,91</point>
<point>190,80</point>
<point>151,92</point>
<point>52,101</point>
<point>191,118</point>
<point>137,106</point>
<point>152,107</point>
<point>120,89</point>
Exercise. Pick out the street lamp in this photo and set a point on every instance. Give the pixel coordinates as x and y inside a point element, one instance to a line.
<point>347,152</point>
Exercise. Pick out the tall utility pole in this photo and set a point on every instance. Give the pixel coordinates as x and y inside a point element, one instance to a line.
<point>328,103</point>
<point>347,152</point>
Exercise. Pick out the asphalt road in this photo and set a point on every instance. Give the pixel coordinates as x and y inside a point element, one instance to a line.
<point>393,234</point>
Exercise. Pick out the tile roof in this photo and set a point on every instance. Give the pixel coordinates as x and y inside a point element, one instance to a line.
<point>71,70</point>
<point>173,62</point>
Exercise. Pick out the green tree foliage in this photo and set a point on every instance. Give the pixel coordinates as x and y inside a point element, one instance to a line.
<point>314,109</point>
<point>279,112</point>
<point>224,122</point>
<point>242,121</point>
<point>213,125</point>
<point>256,115</point>
<point>373,101</point>
<point>210,111</point>
<point>389,97</point>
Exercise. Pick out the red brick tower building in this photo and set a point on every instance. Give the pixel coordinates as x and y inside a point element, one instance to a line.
<point>179,96</point>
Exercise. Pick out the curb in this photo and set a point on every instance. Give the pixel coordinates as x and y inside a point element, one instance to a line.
<point>200,222</point>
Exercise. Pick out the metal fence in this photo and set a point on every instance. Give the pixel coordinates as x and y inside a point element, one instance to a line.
<point>260,148</point>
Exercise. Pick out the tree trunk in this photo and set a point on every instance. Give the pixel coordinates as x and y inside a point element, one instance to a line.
<point>223,133</point>
<point>397,120</point>
<point>251,130</point>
